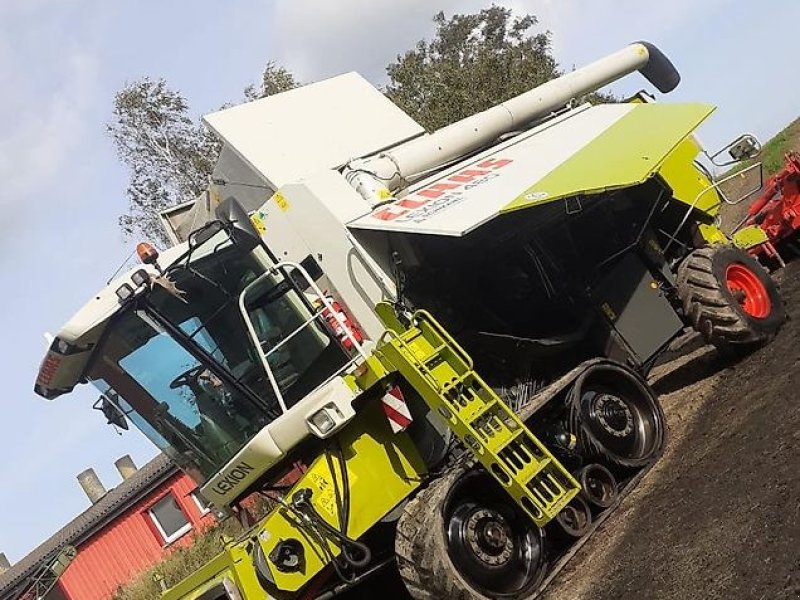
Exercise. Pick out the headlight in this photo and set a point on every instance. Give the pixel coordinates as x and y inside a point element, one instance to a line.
<point>140,277</point>
<point>322,421</point>
<point>124,292</point>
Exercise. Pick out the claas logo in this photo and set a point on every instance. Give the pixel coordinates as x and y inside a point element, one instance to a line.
<point>421,197</point>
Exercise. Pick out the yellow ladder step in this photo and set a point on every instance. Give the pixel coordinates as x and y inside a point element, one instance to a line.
<point>441,372</point>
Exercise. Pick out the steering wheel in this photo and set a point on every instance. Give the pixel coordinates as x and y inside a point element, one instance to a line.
<point>187,378</point>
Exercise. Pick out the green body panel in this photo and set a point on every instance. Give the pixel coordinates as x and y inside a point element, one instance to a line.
<point>383,469</point>
<point>628,153</point>
<point>750,237</point>
<point>442,373</point>
<point>688,183</point>
<point>233,564</point>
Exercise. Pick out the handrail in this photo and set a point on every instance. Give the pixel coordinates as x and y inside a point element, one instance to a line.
<point>294,333</point>
<point>251,331</point>
<point>714,186</point>
<point>326,305</point>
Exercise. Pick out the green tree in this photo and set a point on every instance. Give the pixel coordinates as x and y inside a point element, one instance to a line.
<point>473,62</point>
<point>170,156</point>
<point>274,80</point>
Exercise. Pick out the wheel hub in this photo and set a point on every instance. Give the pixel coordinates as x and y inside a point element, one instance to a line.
<point>489,537</point>
<point>613,415</point>
<point>748,290</point>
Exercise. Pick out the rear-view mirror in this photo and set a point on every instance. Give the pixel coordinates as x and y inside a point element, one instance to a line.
<point>113,415</point>
<point>744,147</point>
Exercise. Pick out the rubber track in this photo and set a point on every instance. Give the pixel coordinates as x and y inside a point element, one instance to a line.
<point>420,557</point>
<point>420,562</point>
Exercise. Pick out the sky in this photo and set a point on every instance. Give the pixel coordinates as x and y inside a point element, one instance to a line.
<point>63,187</point>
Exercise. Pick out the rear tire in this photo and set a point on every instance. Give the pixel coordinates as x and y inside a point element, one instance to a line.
<point>729,298</point>
<point>464,538</point>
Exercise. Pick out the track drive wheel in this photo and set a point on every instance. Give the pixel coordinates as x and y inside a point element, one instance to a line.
<point>616,417</point>
<point>464,538</point>
<point>729,297</point>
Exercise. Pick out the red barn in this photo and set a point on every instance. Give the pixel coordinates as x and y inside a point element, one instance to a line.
<point>125,531</point>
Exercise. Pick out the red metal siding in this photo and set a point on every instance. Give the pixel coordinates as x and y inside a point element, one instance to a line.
<point>128,545</point>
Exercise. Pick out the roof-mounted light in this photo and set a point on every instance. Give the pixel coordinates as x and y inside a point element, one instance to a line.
<point>124,292</point>
<point>147,253</point>
<point>140,277</point>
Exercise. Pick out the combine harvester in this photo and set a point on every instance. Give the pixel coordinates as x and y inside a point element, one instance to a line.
<point>426,349</point>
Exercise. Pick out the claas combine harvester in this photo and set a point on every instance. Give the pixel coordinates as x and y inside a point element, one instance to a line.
<point>426,349</point>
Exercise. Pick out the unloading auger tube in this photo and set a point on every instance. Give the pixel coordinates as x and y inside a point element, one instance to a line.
<point>374,176</point>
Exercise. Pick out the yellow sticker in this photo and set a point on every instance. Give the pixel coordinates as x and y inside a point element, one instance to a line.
<point>609,312</point>
<point>258,222</point>
<point>280,200</point>
<point>384,194</point>
<point>325,498</point>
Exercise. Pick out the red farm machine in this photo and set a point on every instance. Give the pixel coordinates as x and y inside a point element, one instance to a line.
<point>777,212</point>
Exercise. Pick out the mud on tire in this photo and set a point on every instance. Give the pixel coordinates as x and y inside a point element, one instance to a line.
<point>729,297</point>
<point>433,567</point>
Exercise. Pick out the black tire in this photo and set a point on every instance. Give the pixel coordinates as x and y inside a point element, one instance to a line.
<point>575,519</point>
<point>726,315</point>
<point>430,551</point>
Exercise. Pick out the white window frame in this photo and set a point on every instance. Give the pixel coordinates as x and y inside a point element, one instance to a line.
<point>168,539</point>
<point>203,510</point>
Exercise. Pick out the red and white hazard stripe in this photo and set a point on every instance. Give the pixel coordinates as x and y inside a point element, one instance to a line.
<point>396,410</point>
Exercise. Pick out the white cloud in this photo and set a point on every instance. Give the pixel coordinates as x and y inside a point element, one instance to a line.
<point>318,38</point>
<point>43,131</point>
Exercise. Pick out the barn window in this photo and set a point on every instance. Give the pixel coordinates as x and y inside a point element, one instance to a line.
<point>169,519</point>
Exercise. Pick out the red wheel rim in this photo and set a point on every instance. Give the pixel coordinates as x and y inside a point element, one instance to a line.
<point>748,290</point>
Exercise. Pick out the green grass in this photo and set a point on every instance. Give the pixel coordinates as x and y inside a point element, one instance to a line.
<point>774,150</point>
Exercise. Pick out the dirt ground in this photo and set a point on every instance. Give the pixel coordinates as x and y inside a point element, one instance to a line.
<point>719,515</point>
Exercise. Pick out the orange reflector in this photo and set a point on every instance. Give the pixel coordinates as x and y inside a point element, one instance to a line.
<point>147,253</point>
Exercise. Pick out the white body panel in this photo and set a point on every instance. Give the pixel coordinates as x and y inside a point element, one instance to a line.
<point>271,444</point>
<point>319,126</point>
<point>308,219</point>
<point>526,159</point>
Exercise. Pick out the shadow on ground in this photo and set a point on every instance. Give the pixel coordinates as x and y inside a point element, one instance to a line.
<point>719,517</point>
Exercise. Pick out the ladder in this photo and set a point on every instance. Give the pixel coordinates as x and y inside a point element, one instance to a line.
<point>442,373</point>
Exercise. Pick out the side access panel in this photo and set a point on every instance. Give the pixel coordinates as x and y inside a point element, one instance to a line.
<point>635,306</point>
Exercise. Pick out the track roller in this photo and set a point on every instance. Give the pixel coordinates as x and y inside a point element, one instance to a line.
<point>598,485</point>
<point>576,518</point>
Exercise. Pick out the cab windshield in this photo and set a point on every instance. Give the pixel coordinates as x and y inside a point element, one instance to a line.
<point>179,362</point>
